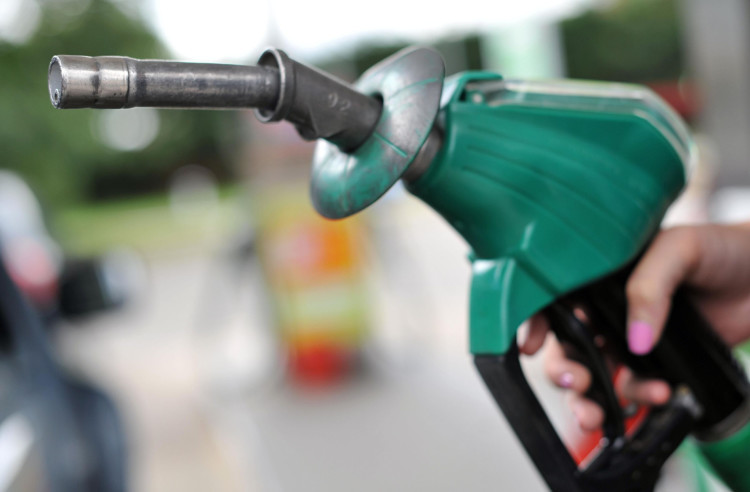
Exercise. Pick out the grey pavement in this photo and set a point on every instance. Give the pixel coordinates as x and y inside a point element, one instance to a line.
<point>195,369</point>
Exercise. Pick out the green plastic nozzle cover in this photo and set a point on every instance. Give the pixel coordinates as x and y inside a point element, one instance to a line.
<point>552,185</point>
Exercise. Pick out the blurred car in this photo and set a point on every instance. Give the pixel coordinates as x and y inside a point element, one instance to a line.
<point>53,283</point>
<point>57,432</point>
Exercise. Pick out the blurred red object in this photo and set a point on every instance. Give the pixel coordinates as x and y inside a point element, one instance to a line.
<point>33,259</point>
<point>682,95</point>
<point>583,448</point>
<point>32,269</point>
<point>320,364</point>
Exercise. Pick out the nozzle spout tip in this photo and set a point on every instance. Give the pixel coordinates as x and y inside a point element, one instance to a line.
<point>88,82</point>
<point>55,82</point>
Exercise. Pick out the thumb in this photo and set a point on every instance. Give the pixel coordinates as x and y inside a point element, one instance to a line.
<point>670,259</point>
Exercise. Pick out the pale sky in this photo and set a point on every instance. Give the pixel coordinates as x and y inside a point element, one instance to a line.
<point>234,30</point>
<point>238,30</point>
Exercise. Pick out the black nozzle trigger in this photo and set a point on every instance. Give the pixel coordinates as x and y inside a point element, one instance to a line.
<point>572,331</point>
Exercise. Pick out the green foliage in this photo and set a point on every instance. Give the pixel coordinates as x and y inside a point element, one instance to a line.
<point>59,152</point>
<point>631,41</point>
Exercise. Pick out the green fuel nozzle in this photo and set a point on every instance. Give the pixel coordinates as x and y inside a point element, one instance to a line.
<point>557,187</point>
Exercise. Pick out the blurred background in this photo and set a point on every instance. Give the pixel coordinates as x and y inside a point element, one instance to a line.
<point>221,334</point>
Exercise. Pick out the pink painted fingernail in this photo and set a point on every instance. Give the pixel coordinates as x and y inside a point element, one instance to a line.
<point>566,380</point>
<point>640,337</point>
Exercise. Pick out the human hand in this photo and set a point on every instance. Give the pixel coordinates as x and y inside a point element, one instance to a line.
<point>712,261</point>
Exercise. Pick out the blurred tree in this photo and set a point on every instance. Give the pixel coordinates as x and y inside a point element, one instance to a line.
<point>629,41</point>
<point>61,153</point>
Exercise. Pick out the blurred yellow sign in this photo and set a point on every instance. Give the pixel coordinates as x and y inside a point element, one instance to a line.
<point>315,273</point>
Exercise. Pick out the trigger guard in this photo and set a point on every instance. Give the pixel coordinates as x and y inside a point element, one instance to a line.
<point>568,328</point>
<point>633,465</point>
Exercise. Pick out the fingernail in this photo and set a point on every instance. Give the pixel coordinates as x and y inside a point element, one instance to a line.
<point>566,380</point>
<point>640,337</point>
